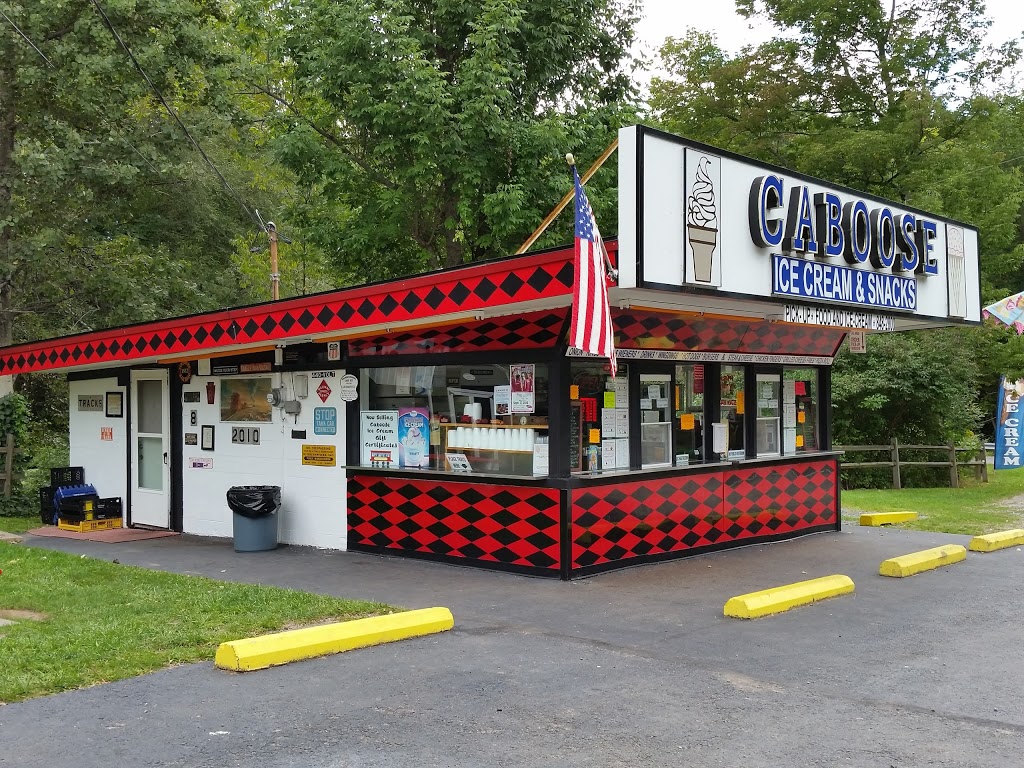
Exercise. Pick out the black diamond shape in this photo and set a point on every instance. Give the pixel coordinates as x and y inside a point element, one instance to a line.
<point>616,553</point>
<point>411,302</point>
<point>512,284</point>
<point>155,342</point>
<point>366,308</point>
<point>691,538</point>
<point>471,496</point>
<point>565,275</point>
<point>586,520</point>
<point>774,524</point>
<point>439,493</point>
<point>485,289</point>
<point>587,558</point>
<point>75,354</point>
<point>409,509</point>
<point>541,502</point>
<point>541,560</point>
<point>388,305</point>
<point>216,332</point>
<point>250,327</point>
<point>409,526</point>
<point>472,533</point>
<point>32,358</point>
<point>268,325</point>
<point>52,357</point>
<point>439,547</point>
<point>504,537</point>
<point>89,351</point>
<point>459,294</point>
<point>380,506</point>
<point>472,551</point>
<point>170,339</point>
<point>140,344</point>
<point>541,540</point>
<point>439,529</point>
<point>505,518</point>
<point>615,497</point>
<point>380,488</point>
<point>345,312</point>
<point>615,533</point>
<point>201,334</point>
<point>540,521</point>
<point>540,279</point>
<point>434,298</point>
<point>185,336</point>
<point>408,491</point>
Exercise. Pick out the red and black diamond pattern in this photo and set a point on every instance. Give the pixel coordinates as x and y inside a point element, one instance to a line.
<point>534,330</point>
<point>693,511</point>
<point>480,286</point>
<point>647,330</point>
<point>503,524</point>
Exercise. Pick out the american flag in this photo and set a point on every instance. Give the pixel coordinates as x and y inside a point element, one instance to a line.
<point>591,329</point>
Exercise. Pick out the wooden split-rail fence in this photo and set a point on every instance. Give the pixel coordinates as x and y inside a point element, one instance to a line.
<point>7,475</point>
<point>977,461</point>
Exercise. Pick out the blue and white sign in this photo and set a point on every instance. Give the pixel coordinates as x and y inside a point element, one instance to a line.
<point>1008,424</point>
<point>817,280</point>
<point>325,421</point>
<point>725,228</point>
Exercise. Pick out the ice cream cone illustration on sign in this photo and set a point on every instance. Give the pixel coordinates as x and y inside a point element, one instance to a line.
<point>702,218</point>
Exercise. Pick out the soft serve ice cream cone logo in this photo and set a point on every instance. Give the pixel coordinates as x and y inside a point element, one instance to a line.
<point>702,223</point>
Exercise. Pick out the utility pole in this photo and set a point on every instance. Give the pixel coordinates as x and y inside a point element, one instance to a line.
<point>275,276</point>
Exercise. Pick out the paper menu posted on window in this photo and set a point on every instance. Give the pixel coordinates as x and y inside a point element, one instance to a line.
<point>789,440</point>
<point>720,437</point>
<point>789,415</point>
<point>540,458</point>
<point>789,390</point>
<point>609,424</point>
<point>621,423</point>
<point>645,403</point>
<point>621,389</point>
<point>608,458</point>
<point>622,453</point>
<point>609,399</point>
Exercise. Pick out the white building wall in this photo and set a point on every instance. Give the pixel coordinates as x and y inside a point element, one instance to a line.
<point>104,461</point>
<point>313,498</point>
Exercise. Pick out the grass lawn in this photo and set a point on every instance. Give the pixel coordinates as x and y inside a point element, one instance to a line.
<point>19,524</point>
<point>972,509</point>
<point>99,621</point>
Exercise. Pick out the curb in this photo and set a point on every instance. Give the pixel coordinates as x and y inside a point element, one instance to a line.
<point>754,605</point>
<point>875,519</point>
<point>926,560</point>
<point>283,647</point>
<point>990,542</point>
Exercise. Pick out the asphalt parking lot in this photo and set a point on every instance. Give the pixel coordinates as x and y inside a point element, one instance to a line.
<point>631,668</point>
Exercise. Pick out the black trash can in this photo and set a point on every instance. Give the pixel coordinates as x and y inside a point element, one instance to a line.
<point>255,509</point>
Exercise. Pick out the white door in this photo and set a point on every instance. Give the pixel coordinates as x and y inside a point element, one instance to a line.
<point>151,467</point>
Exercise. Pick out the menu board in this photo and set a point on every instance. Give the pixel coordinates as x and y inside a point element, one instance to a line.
<point>576,436</point>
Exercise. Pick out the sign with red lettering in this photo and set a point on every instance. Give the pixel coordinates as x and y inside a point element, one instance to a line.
<point>323,390</point>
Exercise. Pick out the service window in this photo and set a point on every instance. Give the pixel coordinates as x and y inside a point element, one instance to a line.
<point>688,414</point>
<point>800,425</point>
<point>732,410</point>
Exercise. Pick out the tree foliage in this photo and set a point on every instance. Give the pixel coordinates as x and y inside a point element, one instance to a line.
<point>436,129</point>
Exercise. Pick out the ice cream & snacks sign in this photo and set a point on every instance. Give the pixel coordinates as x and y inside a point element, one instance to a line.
<point>747,229</point>
<point>822,224</point>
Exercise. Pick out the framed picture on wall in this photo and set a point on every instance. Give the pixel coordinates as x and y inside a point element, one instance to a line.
<point>115,405</point>
<point>207,437</point>
<point>245,400</point>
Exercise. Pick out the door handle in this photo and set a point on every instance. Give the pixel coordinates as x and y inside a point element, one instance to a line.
<point>165,457</point>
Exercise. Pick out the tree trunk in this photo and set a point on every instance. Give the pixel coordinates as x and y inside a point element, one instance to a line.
<point>8,96</point>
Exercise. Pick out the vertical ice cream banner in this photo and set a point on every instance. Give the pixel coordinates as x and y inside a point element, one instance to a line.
<point>703,236</point>
<point>413,434</point>
<point>1008,425</point>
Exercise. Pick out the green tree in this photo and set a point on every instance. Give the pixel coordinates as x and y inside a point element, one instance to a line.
<point>434,132</point>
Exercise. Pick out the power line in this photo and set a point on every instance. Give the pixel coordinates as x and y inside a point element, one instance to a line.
<point>27,40</point>
<point>173,114</point>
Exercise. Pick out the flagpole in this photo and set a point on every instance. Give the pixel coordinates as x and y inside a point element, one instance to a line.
<point>568,198</point>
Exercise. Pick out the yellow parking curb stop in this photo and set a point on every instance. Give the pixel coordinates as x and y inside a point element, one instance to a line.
<point>990,542</point>
<point>283,647</point>
<point>926,560</point>
<point>754,605</point>
<point>887,518</point>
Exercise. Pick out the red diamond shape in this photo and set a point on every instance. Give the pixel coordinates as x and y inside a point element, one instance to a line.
<point>323,390</point>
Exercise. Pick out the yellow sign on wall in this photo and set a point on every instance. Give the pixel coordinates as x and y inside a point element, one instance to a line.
<point>320,455</point>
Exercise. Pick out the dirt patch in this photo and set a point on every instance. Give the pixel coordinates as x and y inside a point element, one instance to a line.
<point>14,615</point>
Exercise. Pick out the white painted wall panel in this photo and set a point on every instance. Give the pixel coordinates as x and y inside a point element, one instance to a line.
<point>104,461</point>
<point>313,498</point>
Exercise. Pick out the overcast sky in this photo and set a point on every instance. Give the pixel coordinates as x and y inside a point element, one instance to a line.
<point>664,18</point>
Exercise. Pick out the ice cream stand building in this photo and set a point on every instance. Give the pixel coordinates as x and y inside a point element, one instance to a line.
<point>443,416</point>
